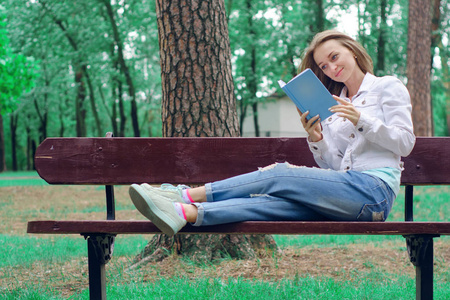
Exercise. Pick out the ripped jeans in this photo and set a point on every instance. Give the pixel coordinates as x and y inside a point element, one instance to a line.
<point>284,192</point>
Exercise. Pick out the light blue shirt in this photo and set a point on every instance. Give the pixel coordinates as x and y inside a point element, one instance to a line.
<point>389,175</point>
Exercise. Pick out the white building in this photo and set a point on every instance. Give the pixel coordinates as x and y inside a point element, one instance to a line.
<point>277,117</point>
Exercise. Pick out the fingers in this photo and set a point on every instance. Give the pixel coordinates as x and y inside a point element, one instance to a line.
<point>310,124</point>
<point>346,110</point>
<point>340,100</point>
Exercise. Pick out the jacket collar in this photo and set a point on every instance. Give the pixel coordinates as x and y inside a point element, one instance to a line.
<point>368,81</point>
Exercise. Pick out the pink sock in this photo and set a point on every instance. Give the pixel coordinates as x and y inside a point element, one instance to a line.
<point>186,196</point>
<point>180,210</point>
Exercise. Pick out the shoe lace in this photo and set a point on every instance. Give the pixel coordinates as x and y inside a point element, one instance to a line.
<point>171,187</point>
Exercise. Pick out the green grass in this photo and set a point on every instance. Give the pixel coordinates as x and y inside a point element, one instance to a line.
<point>21,178</point>
<point>375,288</point>
<point>30,292</point>
<point>431,203</point>
<point>25,250</point>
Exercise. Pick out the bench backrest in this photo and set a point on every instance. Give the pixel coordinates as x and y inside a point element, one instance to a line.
<point>111,161</point>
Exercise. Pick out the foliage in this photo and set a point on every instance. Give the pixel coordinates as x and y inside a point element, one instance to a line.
<point>83,90</point>
<point>17,72</point>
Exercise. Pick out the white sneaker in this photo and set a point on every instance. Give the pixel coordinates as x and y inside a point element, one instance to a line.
<point>158,209</point>
<point>167,190</point>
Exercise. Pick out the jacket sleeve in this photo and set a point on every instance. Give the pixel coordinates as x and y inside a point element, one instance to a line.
<point>395,132</point>
<point>322,153</point>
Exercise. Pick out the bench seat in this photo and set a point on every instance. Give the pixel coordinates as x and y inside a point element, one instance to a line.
<point>251,227</point>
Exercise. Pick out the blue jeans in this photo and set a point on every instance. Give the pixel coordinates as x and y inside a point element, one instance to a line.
<point>284,192</point>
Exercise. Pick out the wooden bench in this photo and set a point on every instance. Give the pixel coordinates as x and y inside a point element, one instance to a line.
<point>122,161</point>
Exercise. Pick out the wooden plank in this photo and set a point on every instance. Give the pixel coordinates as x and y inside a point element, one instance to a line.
<point>281,227</point>
<point>429,162</point>
<point>159,160</point>
<point>201,160</point>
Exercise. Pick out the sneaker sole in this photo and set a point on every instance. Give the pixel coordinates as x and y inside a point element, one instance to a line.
<point>147,207</point>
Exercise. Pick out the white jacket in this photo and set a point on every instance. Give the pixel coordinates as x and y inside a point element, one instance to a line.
<point>382,135</point>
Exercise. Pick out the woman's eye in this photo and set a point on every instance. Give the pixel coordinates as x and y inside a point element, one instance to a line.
<point>324,67</point>
<point>334,57</point>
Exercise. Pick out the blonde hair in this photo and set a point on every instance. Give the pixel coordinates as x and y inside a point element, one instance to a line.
<point>363,59</point>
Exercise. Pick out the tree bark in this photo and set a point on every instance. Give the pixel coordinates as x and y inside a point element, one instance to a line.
<point>197,84</point>
<point>198,100</point>
<point>418,66</point>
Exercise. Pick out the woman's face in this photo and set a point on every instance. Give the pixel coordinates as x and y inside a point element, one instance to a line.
<point>336,61</point>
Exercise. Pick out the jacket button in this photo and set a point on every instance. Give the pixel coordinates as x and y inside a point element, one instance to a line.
<point>360,129</point>
<point>352,136</point>
<point>330,119</point>
<point>315,148</point>
<point>347,168</point>
<point>364,101</point>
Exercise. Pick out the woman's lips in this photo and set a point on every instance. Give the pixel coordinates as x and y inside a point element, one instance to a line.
<point>339,73</point>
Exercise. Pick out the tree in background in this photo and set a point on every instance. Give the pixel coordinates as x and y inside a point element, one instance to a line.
<point>440,84</point>
<point>419,69</point>
<point>83,90</point>
<point>267,38</point>
<point>17,74</point>
<point>198,101</point>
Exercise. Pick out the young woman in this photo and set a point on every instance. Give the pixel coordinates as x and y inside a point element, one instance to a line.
<point>358,150</point>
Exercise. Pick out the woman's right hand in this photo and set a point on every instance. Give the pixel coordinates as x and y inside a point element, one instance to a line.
<point>312,126</point>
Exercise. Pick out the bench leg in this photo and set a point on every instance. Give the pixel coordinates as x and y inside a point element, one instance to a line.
<point>420,250</point>
<point>100,249</point>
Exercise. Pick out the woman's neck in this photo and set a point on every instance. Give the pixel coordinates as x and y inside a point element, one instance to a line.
<point>354,83</point>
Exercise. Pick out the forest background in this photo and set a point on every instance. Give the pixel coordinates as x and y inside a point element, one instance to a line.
<point>82,68</point>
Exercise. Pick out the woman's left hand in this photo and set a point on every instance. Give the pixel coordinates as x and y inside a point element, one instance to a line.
<point>346,110</point>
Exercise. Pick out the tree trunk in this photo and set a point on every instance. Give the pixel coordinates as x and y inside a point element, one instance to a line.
<point>252,84</point>
<point>112,115</point>
<point>380,67</point>
<point>320,16</point>
<point>124,68</point>
<point>62,127</point>
<point>29,139</point>
<point>98,123</point>
<point>243,109</point>
<point>418,65</point>
<point>13,127</point>
<point>43,115</point>
<point>197,84</point>
<point>80,110</point>
<point>123,116</point>
<point>435,26</point>
<point>436,41</point>
<point>198,100</point>
<point>2,146</point>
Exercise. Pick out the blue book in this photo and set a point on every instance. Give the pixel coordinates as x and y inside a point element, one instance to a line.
<point>309,94</point>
